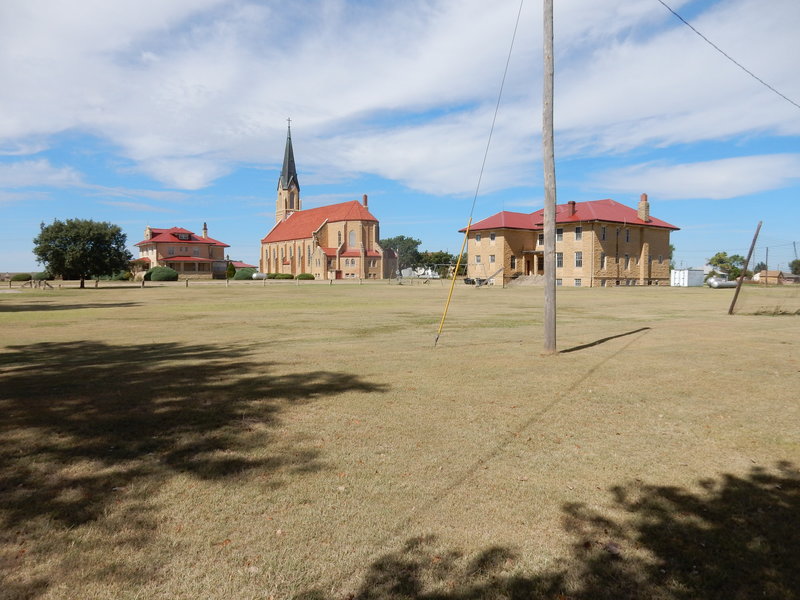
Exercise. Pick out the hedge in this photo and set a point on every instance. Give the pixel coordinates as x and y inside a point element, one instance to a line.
<point>245,273</point>
<point>161,274</point>
<point>21,277</point>
<point>284,276</point>
<point>305,276</point>
<point>42,276</point>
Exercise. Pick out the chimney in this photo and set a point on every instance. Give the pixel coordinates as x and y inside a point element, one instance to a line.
<point>205,231</point>
<point>365,201</point>
<point>148,232</point>
<point>571,209</point>
<point>644,209</point>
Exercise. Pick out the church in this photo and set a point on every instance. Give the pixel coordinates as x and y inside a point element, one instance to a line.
<point>337,241</point>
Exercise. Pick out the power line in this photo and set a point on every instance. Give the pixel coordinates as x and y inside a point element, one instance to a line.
<point>728,56</point>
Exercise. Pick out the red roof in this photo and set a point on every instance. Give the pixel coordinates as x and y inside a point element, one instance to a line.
<point>594,210</point>
<point>302,223</point>
<point>237,264</point>
<point>161,236</point>
<point>141,259</point>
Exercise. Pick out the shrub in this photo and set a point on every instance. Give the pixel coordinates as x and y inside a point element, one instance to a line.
<point>122,276</point>
<point>284,276</point>
<point>230,271</point>
<point>271,275</point>
<point>161,274</point>
<point>42,276</point>
<point>305,276</point>
<point>244,273</point>
<point>21,277</point>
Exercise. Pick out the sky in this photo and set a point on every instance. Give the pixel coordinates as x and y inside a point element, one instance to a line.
<point>174,113</point>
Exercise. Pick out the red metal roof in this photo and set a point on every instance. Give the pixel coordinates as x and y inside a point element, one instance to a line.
<point>594,210</point>
<point>237,264</point>
<point>302,223</point>
<point>504,220</point>
<point>161,236</point>
<point>141,259</point>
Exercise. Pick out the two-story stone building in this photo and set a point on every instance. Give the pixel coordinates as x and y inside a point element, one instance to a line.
<point>598,243</point>
<point>337,241</point>
<point>180,249</point>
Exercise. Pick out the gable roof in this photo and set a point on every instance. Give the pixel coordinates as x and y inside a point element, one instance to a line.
<point>237,264</point>
<point>302,223</point>
<point>170,236</point>
<point>594,210</point>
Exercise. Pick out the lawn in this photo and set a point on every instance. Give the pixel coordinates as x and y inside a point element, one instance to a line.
<point>308,441</point>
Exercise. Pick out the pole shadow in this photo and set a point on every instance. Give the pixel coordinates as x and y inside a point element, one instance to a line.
<point>603,340</point>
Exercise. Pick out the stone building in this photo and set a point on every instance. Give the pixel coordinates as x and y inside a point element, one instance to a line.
<point>598,243</point>
<point>180,249</point>
<point>337,241</point>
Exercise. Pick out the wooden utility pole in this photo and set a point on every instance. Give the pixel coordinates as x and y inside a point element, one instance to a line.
<point>549,162</point>
<point>744,270</point>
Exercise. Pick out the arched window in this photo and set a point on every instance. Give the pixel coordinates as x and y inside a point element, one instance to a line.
<point>352,238</point>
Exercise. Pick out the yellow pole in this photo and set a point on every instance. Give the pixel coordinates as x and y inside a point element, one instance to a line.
<point>453,283</point>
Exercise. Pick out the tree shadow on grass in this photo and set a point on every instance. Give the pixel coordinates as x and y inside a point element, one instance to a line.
<point>46,306</point>
<point>86,423</point>
<point>732,538</point>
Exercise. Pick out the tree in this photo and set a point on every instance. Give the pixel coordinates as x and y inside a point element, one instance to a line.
<point>439,261</point>
<point>406,248</point>
<point>80,248</point>
<point>230,271</point>
<point>795,266</point>
<point>672,257</point>
<point>762,266</point>
<point>731,265</point>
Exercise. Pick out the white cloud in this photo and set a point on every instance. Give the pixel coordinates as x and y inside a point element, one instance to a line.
<point>187,89</point>
<point>715,179</point>
<point>136,206</point>
<point>37,173</point>
<point>185,173</point>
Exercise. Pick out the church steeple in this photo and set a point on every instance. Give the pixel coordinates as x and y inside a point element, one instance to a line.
<point>288,185</point>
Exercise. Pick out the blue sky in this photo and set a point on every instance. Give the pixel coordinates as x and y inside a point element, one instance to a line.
<point>173,112</point>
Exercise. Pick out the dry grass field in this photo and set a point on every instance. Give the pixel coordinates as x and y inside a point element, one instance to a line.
<point>308,441</point>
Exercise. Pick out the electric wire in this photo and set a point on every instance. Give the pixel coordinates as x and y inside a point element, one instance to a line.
<point>480,175</point>
<point>728,56</point>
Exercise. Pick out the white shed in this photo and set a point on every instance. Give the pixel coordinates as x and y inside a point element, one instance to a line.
<point>686,277</point>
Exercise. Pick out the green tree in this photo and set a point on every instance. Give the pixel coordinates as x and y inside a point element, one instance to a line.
<point>438,261</point>
<point>795,266</point>
<point>230,271</point>
<point>406,248</point>
<point>762,266</point>
<point>733,265</point>
<point>672,257</point>
<point>81,248</point>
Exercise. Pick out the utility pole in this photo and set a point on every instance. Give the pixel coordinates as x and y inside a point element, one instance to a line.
<point>744,270</point>
<point>549,163</point>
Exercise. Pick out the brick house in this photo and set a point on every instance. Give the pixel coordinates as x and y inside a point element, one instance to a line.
<point>180,249</point>
<point>337,241</point>
<point>598,243</point>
